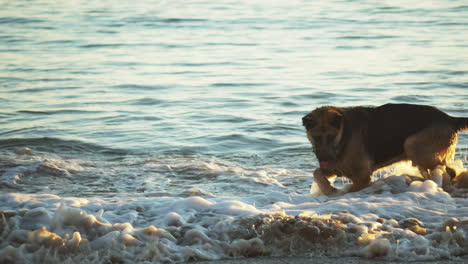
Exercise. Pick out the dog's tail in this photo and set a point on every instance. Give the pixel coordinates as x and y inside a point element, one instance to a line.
<point>460,123</point>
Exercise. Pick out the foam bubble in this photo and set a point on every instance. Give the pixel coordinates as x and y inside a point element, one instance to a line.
<point>174,219</point>
<point>425,186</point>
<point>376,248</point>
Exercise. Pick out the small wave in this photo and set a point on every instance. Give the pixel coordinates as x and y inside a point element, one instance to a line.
<point>355,47</point>
<point>220,172</point>
<point>424,84</point>
<point>34,112</point>
<point>153,19</point>
<point>457,72</point>
<point>293,113</point>
<point>315,95</point>
<point>276,129</point>
<point>46,89</point>
<point>239,84</point>
<point>43,69</point>
<point>459,9</point>
<point>185,72</point>
<point>132,86</point>
<point>367,37</point>
<point>12,50</point>
<point>233,142</point>
<point>182,20</point>
<point>229,44</point>
<point>366,89</point>
<point>456,84</point>
<point>19,20</point>
<point>53,112</point>
<point>13,39</point>
<point>12,171</point>
<point>418,72</point>
<point>59,42</point>
<point>12,79</point>
<point>202,64</point>
<point>55,145</point>
<point>144,101</point>
<point>224,119</point>
<point>126,118</point>
<point>386,10</point>
<point>109,45</point>
<point>289,104</point>
<point>410,98</point>
<point>133,45</point>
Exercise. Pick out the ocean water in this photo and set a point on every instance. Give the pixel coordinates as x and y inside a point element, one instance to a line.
<point>171,130</point>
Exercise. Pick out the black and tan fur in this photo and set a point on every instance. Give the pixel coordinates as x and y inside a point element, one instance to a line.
<point>354,142</point>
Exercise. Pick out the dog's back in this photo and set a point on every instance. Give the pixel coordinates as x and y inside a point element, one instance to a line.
<point>391,124</point>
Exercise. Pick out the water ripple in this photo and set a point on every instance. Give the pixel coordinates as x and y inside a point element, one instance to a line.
<point>19,20</point>
<point>239,84</point>
<point>57,112</point>
<point>144,101</point>
<point>55,145</point>
<point>140,87</point>
<point>410,99</point>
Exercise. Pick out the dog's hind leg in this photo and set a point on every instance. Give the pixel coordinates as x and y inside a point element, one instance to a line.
<point>431,150</point>
<point>441,177</point>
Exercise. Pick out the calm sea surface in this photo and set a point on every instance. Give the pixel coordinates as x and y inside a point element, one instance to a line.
<point>166,97</point>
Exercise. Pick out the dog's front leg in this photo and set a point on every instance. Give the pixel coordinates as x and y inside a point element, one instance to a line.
<point>321,178</point>
<point>360,181</point>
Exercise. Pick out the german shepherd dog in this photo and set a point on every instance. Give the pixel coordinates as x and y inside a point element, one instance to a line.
<point>356,141</point>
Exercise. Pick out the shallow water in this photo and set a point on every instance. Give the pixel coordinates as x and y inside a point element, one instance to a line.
<point>149,105</point>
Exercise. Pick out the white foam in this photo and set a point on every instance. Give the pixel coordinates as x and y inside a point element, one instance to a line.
<point>11,176</point>
<point>15,170</point>
<point>394,219</point>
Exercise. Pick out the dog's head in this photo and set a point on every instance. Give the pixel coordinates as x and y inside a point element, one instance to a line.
<point>324,128</point>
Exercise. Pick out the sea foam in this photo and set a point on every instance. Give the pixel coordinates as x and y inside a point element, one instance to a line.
<point>393,219</point>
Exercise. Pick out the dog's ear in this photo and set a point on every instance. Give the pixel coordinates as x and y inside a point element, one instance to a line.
<point>308,121</point>
<point>336,121</point>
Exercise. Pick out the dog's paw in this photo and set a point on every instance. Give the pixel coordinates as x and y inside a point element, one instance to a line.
<point>336,192</point>
<point>461,180</point>
<point>327,190</point>
<point>332,192</point>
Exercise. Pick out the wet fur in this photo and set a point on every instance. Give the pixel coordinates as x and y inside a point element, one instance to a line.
<point>354,142</point>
